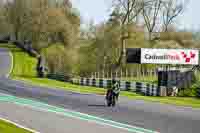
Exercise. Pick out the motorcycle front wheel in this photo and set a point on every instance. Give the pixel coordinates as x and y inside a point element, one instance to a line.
<point>113,101</point>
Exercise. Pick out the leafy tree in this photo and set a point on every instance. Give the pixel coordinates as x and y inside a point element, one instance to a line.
<point>17,15</point>
<point>125,13</point>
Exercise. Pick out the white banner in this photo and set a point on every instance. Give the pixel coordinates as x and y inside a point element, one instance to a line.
<point>169,56</point>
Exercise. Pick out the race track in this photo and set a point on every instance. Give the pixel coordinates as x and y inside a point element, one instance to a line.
<point>5,63</point>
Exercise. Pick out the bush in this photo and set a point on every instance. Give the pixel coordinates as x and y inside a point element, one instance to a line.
<point>194,91</point>
<point>187,93</point>
<point>197,89</point>
<point>59,59</point>
<point>198,92</point>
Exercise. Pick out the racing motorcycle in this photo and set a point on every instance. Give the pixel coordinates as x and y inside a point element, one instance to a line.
<point>110,98</point>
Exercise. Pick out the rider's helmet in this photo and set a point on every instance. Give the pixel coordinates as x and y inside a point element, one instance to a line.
<point>113,81</point>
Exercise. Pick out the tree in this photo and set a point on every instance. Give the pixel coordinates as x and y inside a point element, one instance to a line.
<point>17,13</point>
<point>125,12</point>
<point>102,53</point>
<point>51,24</point>
<point>58,60</point>
<point>171,10</point>
<point>4,26</point>
<point>150,12</point>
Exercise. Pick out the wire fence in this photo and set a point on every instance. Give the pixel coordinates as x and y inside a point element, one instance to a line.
<point>127,74</point>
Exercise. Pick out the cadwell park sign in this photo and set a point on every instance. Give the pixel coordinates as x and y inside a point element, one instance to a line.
<point>168,79</point>
<point>162,56</point>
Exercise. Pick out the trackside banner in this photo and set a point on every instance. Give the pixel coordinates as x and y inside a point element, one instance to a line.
<point>169,56</point>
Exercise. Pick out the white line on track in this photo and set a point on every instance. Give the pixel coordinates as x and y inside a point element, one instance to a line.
<point>11,67</point>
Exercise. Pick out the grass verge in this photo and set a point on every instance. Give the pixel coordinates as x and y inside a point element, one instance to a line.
<point>24,69</point>
<point>6,127</point>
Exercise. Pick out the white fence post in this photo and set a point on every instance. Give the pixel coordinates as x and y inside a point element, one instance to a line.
<point>155,71</point>
<point>121,75</point>
<point>150,73</point>
<point>143,75</point>
<point>126,75</point>
<point>132,74</point>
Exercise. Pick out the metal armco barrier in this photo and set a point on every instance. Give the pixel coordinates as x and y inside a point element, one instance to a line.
<point>138,87</point>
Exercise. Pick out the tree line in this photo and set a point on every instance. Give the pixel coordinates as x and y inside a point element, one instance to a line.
<point>54,27</point>
<point>44,23</point>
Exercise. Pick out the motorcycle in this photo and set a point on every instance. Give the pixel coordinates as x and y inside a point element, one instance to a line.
<point>110,98</point>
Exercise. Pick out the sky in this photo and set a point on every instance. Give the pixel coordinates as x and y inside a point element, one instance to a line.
<point>98,11</point>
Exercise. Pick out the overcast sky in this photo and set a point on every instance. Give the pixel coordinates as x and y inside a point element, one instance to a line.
<point>98,11</point>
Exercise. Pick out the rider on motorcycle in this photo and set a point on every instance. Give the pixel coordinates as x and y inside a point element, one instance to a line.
<point>115,89</point>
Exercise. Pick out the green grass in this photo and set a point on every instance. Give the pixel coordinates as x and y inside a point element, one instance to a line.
<point>6,127</point>
<point>23,65</point>
<point>178,101</point>
<point>62,85</point>
<point>24,69</point>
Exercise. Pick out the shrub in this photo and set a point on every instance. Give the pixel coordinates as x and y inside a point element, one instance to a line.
<point>194,91</point>
<point>198,92</point>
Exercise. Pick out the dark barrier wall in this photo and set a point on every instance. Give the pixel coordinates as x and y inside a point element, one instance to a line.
<point>176,78</point>
<point>138,87</point>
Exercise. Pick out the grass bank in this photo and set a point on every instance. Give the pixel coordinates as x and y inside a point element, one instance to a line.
<point>23,64</point>
<point>24,69</point>
<point>6,127</point>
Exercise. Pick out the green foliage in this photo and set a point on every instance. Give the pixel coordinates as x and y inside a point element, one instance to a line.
<point>190,92</point>
<point>44,23</point>
<point>198,92</point>
<point>41,21</point>
<point>103,51</point>
<point>55,27</point>
<point>196,89</point>
<point>59,59</point>
<point>87,60</point>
